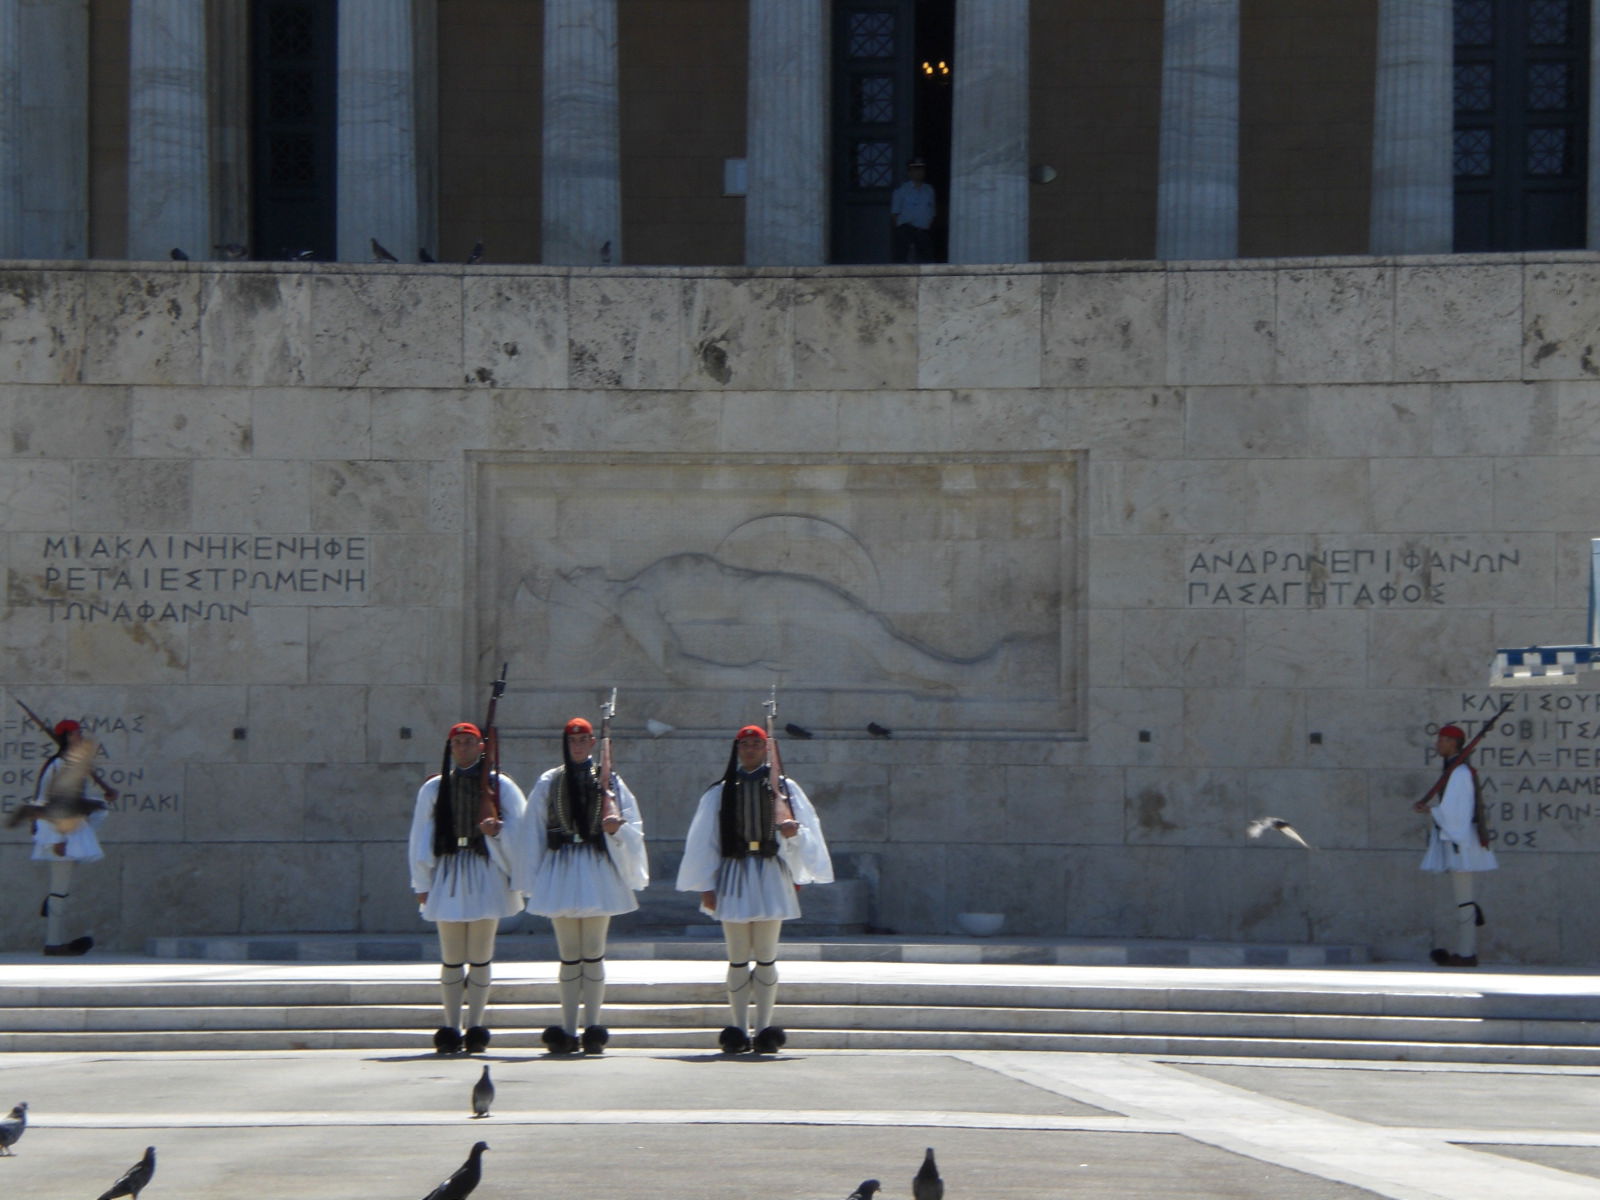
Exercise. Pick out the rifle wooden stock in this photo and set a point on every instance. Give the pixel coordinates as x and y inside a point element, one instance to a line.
<point>489,797</point>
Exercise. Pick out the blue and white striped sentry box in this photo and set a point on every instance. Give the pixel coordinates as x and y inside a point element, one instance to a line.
<point>1550,665</point>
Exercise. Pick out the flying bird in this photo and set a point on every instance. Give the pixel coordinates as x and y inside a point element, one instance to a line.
<point>380,253</point>
<point>12,1127</point>
<point>798,731</point>
<point>423,256</point>
<point>135,1179</point>
<point>482,1094</point>
<point>658,728</point>
<point>865,1191</point>
<point>477,253</point>
<point>178,255</point>
<point>877,730</point>
<point>1261,824</point>
<point>460,1184</point>
<point>926,1184</point>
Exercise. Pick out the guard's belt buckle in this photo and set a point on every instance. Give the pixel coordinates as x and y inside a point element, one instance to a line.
<point>755,845</point>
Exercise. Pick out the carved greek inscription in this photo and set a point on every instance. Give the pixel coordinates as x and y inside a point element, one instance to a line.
<point>183,578</point>
<point>1348,577</point>
<point>24,751</point>
<point>1538,768</point>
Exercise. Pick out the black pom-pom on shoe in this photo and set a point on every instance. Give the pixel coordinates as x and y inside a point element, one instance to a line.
<point>770,1040</point>
<point>477,1040</point>
<point>558,1041</point>
<point>446,1040</point>
<point>595,1038</point>
<point>733,1040</point>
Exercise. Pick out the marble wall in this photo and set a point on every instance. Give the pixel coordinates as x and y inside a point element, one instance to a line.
<point>1123,556</point>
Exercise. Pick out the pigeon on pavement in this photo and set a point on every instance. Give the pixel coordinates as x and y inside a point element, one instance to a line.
<point>865,1191</point>
<point>459,1185</point>
<point>135,1179</point>
<point>926,1184</point>
<point>482,1094</point>
<point>11,1129</point>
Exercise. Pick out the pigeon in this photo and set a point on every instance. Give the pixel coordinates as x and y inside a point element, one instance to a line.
<point>178,255</point>
<point>234,251</point>
<point>300,255</point>
<point>877,730</point>
<point>136,1178</point>
<point>460,1184</point>
<point>482,1094</point>
<point>605,254</point>
<point>658,728</point>
<point>12,1127</point>
<point>423,256</point>
<point>379,253</point>
<point>865,1191</point>
<point>926,1184</point>
<point>1259,826</point>
<point>799,731</point>
<point>64,805</point>
<point>477,253</point>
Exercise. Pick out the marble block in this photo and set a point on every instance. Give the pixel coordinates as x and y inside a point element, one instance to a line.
<point>255,328</point>
<point>142,327</point>
<point>739,333</point>
<point>1104,329</point>
<point>514,331</point>
<point>978,331</point>
<point>383,328</point>
<point>1221,327</point>
<point>42,332</point>
<point>855,333</point>
<point>1561,320</point>
<point>1458,322</point>
<point>1335,325</point>
<point>626,332</point>
<point>199,423</point>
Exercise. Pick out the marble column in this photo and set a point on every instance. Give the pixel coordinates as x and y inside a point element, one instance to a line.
<point>786,205</point>
<point>11,173</point>
<point>1197,202</point>
<point>989,135</point>
<point>169,175</point>
<point>53,79</point>
<point>1594,125</point>
<point>377,176</point>
<point>1413,196</point>
<point>581,221</point>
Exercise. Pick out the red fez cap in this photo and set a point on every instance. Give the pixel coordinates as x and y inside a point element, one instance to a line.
<point>65,727</point>
<point>579,725</point>
<point>754,731</point>
<point>466,727</point>
<point>1453,731</point>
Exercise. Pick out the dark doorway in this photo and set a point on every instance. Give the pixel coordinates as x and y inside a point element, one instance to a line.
<point>1521,124</point>
<point>294,58</point>
<point>893,72</point>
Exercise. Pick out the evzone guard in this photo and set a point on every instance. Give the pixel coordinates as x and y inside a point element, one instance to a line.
<point>462,873</point>
<point>754,837</point>
<point>65,824</point>
<point>581,857</point>
<point>1458,840</point>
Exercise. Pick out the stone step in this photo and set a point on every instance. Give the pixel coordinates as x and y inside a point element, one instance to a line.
<point>527,1044</point>
<point>704,943</point>
<point>887,1018</point>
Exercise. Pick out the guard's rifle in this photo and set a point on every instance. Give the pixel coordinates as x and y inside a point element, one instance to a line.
<point>489,802</point>
<point>782,810</point>
<point>1459,757</point>
<point>609,807</point>
<point>110,792</point>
